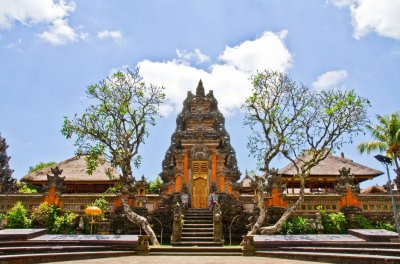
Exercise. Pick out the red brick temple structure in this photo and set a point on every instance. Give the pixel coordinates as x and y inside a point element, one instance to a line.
<point>200,154</point>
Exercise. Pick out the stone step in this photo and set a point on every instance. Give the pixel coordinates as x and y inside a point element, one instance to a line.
<point>197,229</point>
<point>197,221</point>
<point>200,239</point>
<point>197,234</point>
<point>231,249</point>
<point>195,254</point>
<point>197,243</point>
<point>341,258</point>
<point>198,217</point>
<point>42,249</point>
<point>61,256</point>
<point>368,251</point>
<point>204,226</point>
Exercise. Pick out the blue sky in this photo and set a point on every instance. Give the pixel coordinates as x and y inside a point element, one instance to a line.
<point>51,50</point>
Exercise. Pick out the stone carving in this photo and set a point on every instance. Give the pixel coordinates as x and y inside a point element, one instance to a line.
<point>274,181</point>
<point>217,221</point>
<point>345,180</point>
<point>177,224</point>
<point>55,180</point>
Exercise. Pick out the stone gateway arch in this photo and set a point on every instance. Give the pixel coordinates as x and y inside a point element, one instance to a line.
<point>200,156</point>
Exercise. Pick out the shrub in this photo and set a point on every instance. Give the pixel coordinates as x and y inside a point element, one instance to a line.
<point>25,188</point>
<point>334,223</point>
<point>362,222</point>
<point>44,215</point>
<point>17,217</point>
<point>298,225</point>
<point>65,224</point>
<point>382,225</point>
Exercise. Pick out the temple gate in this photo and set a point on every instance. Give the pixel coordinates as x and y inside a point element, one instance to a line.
<point>200,156</point>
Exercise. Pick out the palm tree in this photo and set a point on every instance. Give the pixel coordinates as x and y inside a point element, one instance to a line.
<point>387,138</point>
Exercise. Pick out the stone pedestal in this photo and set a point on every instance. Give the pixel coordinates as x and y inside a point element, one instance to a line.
<point>248,247</point>
<point>143,248</point>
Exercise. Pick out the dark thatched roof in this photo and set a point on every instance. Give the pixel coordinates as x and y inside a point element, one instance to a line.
<point>74,170</point>
<point>331,166</point>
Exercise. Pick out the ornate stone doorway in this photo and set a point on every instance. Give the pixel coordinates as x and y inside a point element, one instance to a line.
<point>199,184</point>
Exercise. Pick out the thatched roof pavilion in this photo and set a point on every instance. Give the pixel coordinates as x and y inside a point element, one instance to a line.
<point>325,174</point>
<point>76,178</point>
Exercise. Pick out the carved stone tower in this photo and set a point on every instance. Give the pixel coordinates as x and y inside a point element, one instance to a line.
<point>200,155</point>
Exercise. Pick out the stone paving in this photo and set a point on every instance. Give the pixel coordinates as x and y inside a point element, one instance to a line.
<point>188,259</point>
<point>110,238</point>
<point>308,238</point>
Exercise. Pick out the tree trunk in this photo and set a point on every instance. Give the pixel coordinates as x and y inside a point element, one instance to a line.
<point>278,225</point>
<point>139,220</point>
<point>260,204</point>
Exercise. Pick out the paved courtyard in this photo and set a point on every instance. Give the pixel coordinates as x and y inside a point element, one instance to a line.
<point>188,259</point>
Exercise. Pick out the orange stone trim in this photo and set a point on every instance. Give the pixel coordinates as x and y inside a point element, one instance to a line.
<point>185,168</point>
<point>52,198</point>
<point>222,183</point>
<point>177,183</point>
<point>276,199</point>
<point>214,167</point>
<point>349,199</point>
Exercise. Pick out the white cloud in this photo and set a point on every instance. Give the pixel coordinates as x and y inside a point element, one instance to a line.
<point>187,57</point>
<point>114,35</point>
<point>29,12</point>
<point>377,16</point>
<point>330,79</point>
<point>59,33</point>
<point>229,80</point>
<point>51,12</point>
<point>268,51</point>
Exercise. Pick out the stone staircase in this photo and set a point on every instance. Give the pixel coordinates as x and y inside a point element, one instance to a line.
<point>197,229</point>
<point>335,252</point>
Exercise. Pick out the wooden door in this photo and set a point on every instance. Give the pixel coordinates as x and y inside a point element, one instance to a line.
<point>199,184</point>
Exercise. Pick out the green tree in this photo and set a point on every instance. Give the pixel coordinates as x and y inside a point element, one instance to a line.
<point>156,185</point>
<point>7,182</point>
<point>290,120</point>
<point>41,165</point>
<point>115,126</point>
<point>386,136</point>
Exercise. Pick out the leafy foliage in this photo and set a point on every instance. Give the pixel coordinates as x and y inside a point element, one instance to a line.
<point>382,225</point>
<point>17,217</point>
<point>102,204</point>
<point>363,222</point>
<point>65,224</point>
<point>297,225</point>
<point>156,186</point>
<point>118,123</point>
<point>26,188</point>
<point>41,165</point>
<point>386,136</point>
<point>45,215</point>
<point>333,223</point>
<point>303,125</point>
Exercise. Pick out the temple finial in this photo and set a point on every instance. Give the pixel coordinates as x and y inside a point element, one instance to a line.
<point>200,90</point>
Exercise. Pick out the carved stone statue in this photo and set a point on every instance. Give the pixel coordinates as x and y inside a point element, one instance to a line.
<point>55,180</point>
<point>177,224</point>
<point>217,220</point>
<point>345,180</point>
